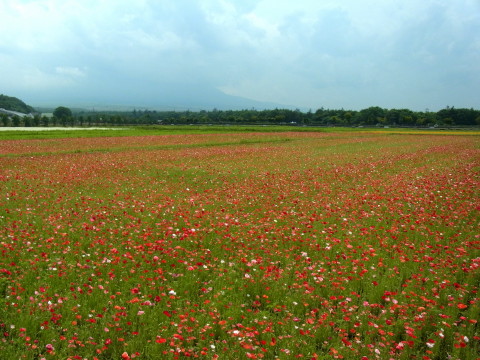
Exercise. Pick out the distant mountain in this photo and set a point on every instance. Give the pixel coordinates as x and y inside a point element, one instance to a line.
<point>198,97</point>
<point>169,96</point>
<point>14,104</point>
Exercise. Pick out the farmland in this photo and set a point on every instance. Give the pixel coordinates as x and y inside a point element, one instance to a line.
<point>245,245</point>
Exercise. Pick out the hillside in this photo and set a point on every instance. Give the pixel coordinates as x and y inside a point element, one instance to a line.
<point>14,104</point>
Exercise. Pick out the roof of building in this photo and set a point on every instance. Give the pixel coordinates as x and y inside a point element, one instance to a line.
<point>13,113</point>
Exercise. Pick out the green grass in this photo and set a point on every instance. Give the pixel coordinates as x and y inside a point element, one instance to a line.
<point>215,129</point>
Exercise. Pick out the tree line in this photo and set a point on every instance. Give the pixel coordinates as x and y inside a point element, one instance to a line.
<point>372,116</point>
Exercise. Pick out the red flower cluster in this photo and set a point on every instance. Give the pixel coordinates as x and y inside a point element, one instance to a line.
<point>259,246</point>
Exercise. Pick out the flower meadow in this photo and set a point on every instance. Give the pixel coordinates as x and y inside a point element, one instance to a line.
<point>241,246</point>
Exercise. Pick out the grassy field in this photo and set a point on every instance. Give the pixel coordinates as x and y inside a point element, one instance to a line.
<point>239,243</point>
<point>54,133</point>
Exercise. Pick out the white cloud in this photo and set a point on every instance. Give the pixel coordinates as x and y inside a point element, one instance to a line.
<point>73,72</point>
<point>35,79</point>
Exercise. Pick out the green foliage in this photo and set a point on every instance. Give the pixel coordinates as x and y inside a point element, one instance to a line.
<point>62,113</point>
<point>458,116</point>
<point>16,120</point>
<point>371,116</point>
<point>14,104</point>
<point>4,119</point>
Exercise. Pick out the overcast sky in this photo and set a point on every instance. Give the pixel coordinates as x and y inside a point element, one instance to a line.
<point>309,54</point>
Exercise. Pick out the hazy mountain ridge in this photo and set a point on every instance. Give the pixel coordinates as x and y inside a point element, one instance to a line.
<point>170,97</point>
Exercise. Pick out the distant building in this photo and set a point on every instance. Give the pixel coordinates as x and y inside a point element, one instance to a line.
<point>13,113</point>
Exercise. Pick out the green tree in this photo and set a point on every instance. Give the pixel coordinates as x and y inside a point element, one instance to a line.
<point>4,118</point>
<point>348,117</point>
<point>27,121</point>
<point>16,120</point>
<point>36,120</point>
<point>371,115</point>
<point>62,113</point>
<point>45,121</point>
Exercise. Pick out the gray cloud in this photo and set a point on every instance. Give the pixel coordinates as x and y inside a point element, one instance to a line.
<point>304,53</point>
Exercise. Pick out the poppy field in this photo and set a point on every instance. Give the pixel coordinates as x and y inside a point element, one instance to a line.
<point>308,245</point>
